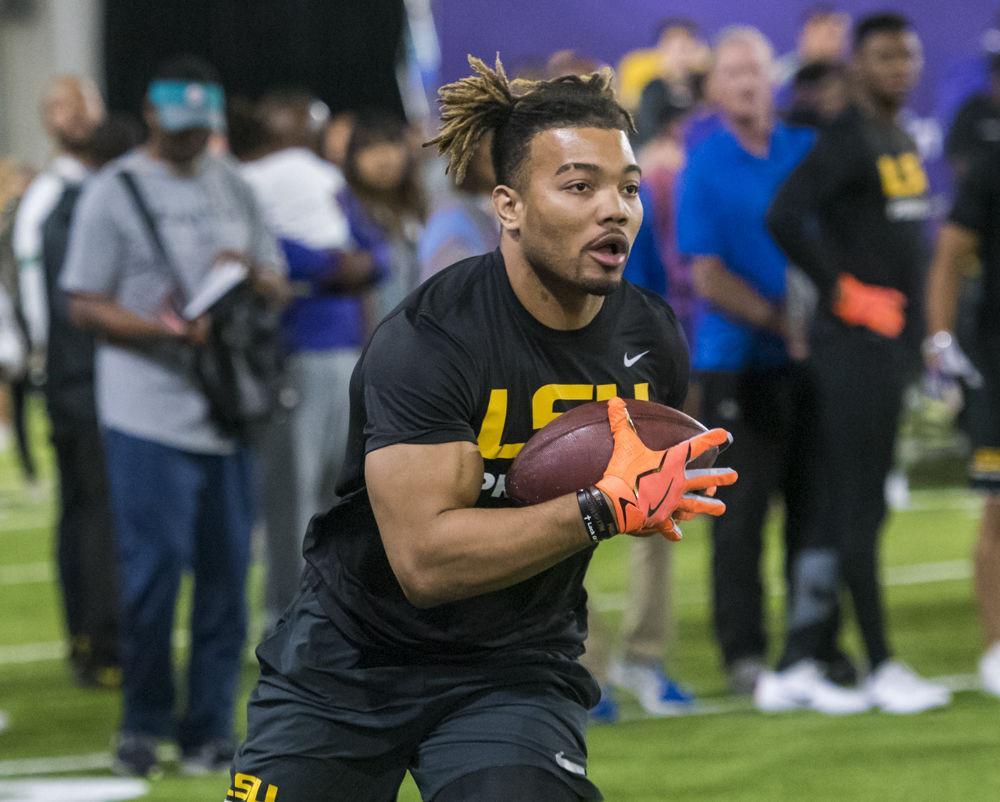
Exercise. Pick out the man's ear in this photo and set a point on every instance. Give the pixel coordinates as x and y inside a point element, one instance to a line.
<point>509,206</point>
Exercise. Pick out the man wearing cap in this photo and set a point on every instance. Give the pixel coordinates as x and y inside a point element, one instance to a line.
<point>180,489</point>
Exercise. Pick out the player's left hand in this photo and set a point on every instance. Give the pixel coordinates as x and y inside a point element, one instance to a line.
<point>648,488</point>
<point>947,365</point>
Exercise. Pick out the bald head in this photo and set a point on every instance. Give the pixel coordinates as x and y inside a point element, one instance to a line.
<point>71,109</point>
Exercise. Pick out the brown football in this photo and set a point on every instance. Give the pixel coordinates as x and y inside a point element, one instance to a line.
<point>573,450</point>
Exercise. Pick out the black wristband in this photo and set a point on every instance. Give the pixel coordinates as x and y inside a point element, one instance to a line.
<point>596,516</point>
<point>604,510</point>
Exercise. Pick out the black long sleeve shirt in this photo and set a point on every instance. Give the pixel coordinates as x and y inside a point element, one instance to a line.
<point>857,204</point>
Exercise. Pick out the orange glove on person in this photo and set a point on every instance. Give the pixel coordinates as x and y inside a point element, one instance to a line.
<point>645,487</point>
<point>879,309</point>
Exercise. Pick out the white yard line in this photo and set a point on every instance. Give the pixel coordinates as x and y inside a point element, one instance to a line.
<point>56,650</point>
<point>900,575</point>
<point>32,653</point>
<point>895,576</point>
<point>9,529</point>
<point>62,764</point>
<point>26,573</point>
<point>38,766</point>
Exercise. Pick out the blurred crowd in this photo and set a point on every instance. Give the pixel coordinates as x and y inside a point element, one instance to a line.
<point>786,221</point>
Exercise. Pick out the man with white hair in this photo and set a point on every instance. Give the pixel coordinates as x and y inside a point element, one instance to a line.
<point>741,347</point>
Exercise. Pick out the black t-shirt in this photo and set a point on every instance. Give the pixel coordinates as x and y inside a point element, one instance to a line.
<point>976,129</point>
<point>858,203</point>
<point>462,360</point>
<point>977,207</point>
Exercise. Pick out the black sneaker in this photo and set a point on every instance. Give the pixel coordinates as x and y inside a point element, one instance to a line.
<point>839,669</point>
<point>135,756</point>
<point>216,755</point>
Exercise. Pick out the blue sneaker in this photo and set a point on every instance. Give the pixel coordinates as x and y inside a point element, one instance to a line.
<point>658,694</point>
<point>606,710</point>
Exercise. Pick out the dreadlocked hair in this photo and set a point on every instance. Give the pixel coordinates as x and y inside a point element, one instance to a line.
<point>514,111</point>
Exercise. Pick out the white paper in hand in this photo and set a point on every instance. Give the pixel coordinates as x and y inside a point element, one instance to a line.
<point>220,280</point>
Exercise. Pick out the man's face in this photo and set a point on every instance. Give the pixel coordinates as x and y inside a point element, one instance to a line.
<point>824,37</point>
<point>680,51</point>
<point>888,64</point>
<point>183,147</point>
<point>741,81</point>
<point>73,108</point>
<point>579,208</point>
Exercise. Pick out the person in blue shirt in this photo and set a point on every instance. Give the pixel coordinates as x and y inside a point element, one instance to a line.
<point>741,345</point>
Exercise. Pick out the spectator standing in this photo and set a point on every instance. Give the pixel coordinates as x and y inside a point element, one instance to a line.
<point>973,230</point>
<point>87,558</point>
<point>181,491</point>
<point>748,382</point>
<point>823,37</point>
<point>662,159</point>
<point>323,330</point>
<point>819,94</point>
<point>976,127</point>
<point>14,180</point>
<point>386,193</point>
<point>462,223</point>
<point>682,60</point>
<point>71,108</point>
<point>852,217</point>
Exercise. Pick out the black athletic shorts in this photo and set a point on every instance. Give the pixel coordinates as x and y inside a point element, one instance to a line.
<point>320,728</point>
<point>983,422</point>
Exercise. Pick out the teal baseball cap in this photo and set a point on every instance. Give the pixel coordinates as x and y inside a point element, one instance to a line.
<point>181,105</point>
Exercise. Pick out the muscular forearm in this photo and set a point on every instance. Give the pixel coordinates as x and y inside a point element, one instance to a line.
<point>731,294</point>
<point>440,546</point>
<point>468,552</point>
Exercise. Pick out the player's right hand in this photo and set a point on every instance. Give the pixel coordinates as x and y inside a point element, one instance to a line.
<point>645,487</point>
<point>879,309</point>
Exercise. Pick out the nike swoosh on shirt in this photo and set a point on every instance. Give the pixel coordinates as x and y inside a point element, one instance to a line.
<point>631,360</point>
<point>569,765</point>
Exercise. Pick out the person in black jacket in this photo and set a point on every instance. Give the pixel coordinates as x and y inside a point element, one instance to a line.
<point>852,216</point>
<point>86,551</point>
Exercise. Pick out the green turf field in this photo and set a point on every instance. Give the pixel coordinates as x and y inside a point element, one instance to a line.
<point>56,730</point>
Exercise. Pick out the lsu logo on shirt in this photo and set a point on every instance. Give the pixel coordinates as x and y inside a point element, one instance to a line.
<point>905,185</point>
<point>543,411</point>
<point>247,788</point>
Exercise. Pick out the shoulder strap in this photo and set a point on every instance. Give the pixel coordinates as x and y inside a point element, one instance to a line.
<point>132,187</point>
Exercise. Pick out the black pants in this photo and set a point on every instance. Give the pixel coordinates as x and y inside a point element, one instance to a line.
<point>329,721</point>
<point>88,566</point>
<point>860,378</point>
<point>771,416</point>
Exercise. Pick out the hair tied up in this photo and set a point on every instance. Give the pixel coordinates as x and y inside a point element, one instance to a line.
<point>472,107</point>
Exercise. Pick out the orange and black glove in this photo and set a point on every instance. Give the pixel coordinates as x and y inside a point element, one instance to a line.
<point>879,309</point>
<point>643,489</point>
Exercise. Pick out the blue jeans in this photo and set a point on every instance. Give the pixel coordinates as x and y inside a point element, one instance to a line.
<point>176,510</point>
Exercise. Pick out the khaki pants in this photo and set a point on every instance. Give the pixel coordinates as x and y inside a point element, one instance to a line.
<point>646,623</point>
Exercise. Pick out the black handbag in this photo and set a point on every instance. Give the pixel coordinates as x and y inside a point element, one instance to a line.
<point>241,366</point>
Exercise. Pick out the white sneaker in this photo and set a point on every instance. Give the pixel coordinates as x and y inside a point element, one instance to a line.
<point>989,670</point>
<point>896,688</point>
<point>657,693</point>
<point>803,686</point>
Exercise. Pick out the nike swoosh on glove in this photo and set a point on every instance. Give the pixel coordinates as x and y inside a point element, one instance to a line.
<point>646,487</point>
